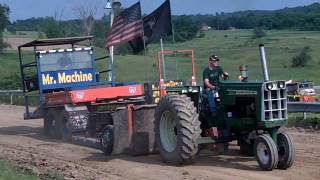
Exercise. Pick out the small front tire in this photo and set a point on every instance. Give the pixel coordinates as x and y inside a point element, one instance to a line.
<point>286,150</point>
<point>266,153</point>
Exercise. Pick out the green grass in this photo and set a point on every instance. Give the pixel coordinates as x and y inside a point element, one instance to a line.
<point>233,47</point>
<point>8,172</point>
<point>297,119</point>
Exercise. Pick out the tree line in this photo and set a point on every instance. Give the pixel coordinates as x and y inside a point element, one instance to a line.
<point>4,15</point>
<point>299,18</point>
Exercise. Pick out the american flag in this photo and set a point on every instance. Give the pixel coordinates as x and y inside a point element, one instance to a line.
<point>127,26</point>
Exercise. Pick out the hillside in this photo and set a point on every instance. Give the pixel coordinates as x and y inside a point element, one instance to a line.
<point>301,18</point>
<point>298,18</point>
<point>234,48</point>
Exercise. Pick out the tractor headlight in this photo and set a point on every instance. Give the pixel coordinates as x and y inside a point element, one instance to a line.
<point>272,86</point>
<point>281,85</point>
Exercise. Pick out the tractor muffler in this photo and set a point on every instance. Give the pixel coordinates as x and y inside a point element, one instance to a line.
<point>264,63</point>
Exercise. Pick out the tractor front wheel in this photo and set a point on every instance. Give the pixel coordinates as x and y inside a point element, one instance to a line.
<point>177,128</point>
<point>266,153</point>
<point>286,150</point>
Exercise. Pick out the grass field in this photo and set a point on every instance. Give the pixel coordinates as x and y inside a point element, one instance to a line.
<point>10,173</point>
<point>233,47</point>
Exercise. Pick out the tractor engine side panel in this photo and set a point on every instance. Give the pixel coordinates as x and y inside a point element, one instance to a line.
<point>240,105</point>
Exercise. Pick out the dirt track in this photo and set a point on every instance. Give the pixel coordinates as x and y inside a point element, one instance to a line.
<point>23,143</point>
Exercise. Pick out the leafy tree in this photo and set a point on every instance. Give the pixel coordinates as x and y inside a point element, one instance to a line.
<point>86,13</point>
<point>122,49</point>
<point>41,35</point>
<point>4,15</point>
<point>11,82</point>
<point>53,29</point>
<point>258,33</point>
<point>302,59</point>
<point>100,29</point>
<point>202,34</point>
<point>184,28</point>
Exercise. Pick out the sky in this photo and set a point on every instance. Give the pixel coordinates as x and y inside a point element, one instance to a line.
<point>23,9</point>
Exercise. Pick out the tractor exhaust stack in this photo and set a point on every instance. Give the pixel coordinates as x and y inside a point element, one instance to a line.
<point>264,62</point>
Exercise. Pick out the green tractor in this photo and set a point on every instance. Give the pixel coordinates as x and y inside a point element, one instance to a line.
<point>250,112</point>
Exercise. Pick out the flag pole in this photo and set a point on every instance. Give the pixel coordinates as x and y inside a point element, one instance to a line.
<point>145,50</point>
<point>111,50</point>
<point>162,58</point>
<point>115,4</point>
<point>144,41</point>
<point>109,6</point>
<point>144,44</point>
<point>174,45</point>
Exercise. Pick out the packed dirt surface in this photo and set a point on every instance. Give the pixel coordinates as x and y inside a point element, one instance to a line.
<point>24,144</point>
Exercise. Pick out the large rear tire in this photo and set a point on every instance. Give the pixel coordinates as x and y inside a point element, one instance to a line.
<point>286,150</point>
<point>64,126</point>
<point>266,152</point>
<point>46,124</point>
<point>50,124</point>
<point>177,128</point>
<point>106,139</point>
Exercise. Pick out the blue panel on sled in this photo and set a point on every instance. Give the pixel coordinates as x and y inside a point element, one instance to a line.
<point>67,78</point>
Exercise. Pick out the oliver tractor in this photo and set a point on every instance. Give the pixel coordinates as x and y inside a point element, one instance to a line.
<point>250,112</point>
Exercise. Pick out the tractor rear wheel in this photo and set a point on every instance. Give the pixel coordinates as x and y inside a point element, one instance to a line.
<point>50,124</point>
<point>46,124</point>
<point>106,139</point>
<point>286,150</point>
<point>64,126</point>
<point>177,128</point>
<point>266,152</point>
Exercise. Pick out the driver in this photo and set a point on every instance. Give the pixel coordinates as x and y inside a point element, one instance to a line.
<point>211,77</point>
<point>65,62</point>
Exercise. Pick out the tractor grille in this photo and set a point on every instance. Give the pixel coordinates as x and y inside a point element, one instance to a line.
<point>275,104</point>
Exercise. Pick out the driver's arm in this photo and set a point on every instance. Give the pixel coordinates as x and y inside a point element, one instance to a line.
<point>208,84</point>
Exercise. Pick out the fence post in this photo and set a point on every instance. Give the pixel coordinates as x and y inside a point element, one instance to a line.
<point>11,99</point>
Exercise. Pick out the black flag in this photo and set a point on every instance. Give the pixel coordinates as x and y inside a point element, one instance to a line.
<point>156,25</point>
